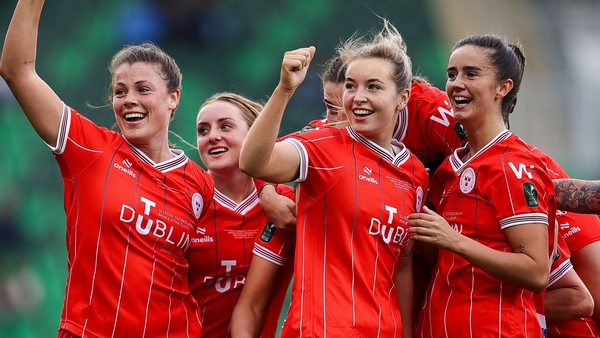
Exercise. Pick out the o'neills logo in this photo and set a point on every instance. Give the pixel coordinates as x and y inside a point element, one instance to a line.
<point>125,170</point>
<point>205,239</point>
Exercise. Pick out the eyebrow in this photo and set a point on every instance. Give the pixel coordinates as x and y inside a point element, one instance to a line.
<point>137,83</point>
<point>466,68</point>
<point>219,120</point>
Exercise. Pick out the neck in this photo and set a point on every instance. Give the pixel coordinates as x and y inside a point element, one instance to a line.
<point>156,152</point>
<point>480,135</point>
<point>237,186</point>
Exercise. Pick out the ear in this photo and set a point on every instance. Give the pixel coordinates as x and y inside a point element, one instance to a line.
<point>174,99</point>
<point>504,88</point>
<point>403,99</point>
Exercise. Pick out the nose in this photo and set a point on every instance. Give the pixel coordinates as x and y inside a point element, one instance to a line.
<point>360,96</point>
<point>214,135</point>
<point>457,82</point>
<point>130,100</point>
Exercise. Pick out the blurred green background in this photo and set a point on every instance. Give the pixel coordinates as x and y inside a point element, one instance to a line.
<point>220,46</point>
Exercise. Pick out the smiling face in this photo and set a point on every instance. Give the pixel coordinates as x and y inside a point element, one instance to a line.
<point>472,86</point>
<point>372,100</point>
<point>220,132</point>
<point>142,104</point>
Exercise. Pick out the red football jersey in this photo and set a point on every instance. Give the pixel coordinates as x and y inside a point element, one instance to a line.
<point>220,256</point>
<point>427,126</point>
<point>501,186</point>
<point>129,227</point>
<point>353,200</point>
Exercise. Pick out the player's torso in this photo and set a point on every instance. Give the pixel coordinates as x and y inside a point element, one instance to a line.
<point>129,223</point>
<point>220,256</point>
<point>351,234</point>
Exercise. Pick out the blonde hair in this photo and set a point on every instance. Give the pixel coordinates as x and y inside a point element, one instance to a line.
<point>249,108</point>
<point>387,44</point>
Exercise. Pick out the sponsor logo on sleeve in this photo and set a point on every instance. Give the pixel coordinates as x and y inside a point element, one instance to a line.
<point>268,232</point>
<point>531,195</point>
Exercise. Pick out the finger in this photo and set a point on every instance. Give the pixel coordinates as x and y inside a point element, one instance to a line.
<point>428,211</point>
<point>416,215</point>
<point>311,51</point>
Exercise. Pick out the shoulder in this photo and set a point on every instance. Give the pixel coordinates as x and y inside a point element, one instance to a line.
<point>321,133</point>
<point>425,91</point>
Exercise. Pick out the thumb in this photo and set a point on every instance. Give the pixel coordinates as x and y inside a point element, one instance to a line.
<point>311,50</point>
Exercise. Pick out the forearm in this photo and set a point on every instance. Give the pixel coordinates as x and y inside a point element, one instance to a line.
<point>245,321</point>
<point>516,268</point>
<point>19,51</point>
<point>568,299</point>
<point>566,304</point>
<point>578,195</point>
<point>257,150</point>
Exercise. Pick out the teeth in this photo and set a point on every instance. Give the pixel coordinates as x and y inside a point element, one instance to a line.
<point>133,116</point>
<point>362,112</point>
<point>217,150</point>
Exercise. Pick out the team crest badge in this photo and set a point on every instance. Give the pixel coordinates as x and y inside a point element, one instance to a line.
<point>467,180</point>
<point>419,203</point>
<point>197,204</point>
<point>531,195</point>
<point>268,232</point>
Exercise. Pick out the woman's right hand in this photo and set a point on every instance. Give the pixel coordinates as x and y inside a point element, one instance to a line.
<point>294,67</point>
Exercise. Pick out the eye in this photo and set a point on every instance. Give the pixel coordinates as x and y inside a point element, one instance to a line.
<point>119,92</point>
<point>226,127</point>
<point>334,109</point>
<point>471,74</point>
<point>143,89</point>
<point>374,86</point>
<point>202,131</point>
<point>349,85</point>
<point>451,76</point>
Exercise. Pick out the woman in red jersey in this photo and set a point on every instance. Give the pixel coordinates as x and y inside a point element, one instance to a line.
<point>222,249</point>
<point>494,203</point>
<point>132,203</point>
<point>426,126</point>
<point>352,266</point>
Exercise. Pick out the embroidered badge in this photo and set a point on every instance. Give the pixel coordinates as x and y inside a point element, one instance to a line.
<point>531,195</point>
<point>197,204</point>
<point>467,180</point>
<point>268,232</point>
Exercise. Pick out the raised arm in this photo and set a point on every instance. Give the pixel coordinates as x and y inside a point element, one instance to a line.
<point>578,195</point>
<point>261,157</point>
<point>41,105</point>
